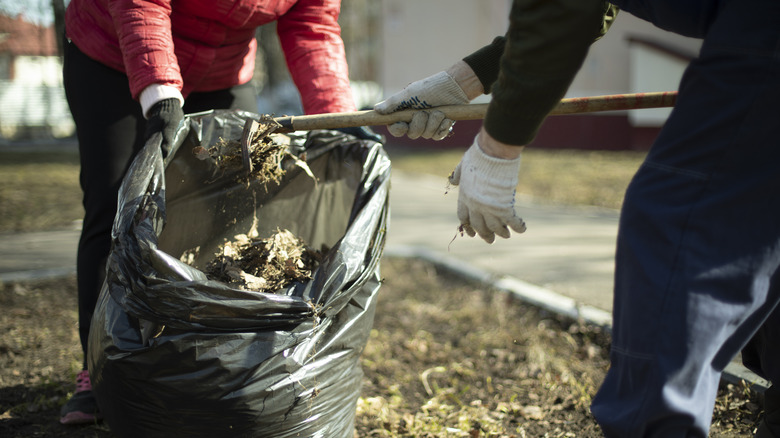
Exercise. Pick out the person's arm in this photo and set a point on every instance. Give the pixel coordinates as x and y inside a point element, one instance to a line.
<point>311,41</point>
<point>543,50</point>
<point>478,72</point>
<point>485,62</point>
<point>545,46</point>
<point>146,43</point>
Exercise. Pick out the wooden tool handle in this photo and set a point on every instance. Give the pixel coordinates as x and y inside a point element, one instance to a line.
<point>612,102</point>
<point>615,102</point>
<point>373,118</point>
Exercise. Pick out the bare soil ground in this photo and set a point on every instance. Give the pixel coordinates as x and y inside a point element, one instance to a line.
<point>446,358</point>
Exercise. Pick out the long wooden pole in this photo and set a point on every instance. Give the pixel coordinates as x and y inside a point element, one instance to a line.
<point>576,105</point>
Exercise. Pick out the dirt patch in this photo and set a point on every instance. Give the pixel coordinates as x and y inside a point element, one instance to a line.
<point>449,358</point>
<point>40,355</point>
<point>446,358</point>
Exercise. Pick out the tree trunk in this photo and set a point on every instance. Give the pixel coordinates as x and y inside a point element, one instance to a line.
<point>58,6</point>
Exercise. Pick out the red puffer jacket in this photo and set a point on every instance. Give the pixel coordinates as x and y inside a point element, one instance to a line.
<point>206,45</point>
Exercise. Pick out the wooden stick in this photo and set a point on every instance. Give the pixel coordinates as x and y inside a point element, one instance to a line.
<point>576,105</point>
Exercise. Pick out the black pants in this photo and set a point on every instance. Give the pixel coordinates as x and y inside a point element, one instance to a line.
<point>110,130</point>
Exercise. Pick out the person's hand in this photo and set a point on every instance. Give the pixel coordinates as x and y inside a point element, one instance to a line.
<point>437,90</point>
<point>165,117</point>
<point>486,194</point>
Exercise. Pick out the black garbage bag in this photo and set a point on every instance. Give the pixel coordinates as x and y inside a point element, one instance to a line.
<point>174,353</point>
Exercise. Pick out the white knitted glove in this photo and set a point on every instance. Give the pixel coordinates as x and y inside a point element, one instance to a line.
<point>486,196</point>
<point>437,90</point>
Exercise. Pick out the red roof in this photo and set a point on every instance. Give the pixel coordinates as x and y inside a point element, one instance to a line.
<point>22,38</point>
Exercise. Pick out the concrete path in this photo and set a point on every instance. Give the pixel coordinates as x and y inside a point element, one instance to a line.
<point>26,256</point>
<point>566,250</point>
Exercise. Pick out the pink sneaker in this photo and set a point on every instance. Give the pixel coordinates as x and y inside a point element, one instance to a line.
<point>81,408</point>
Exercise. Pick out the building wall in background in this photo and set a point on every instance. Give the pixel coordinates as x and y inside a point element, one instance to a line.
<point>32,99</point>
<point>34,110</point>
<point>422,37</point>
<point>38,70</point>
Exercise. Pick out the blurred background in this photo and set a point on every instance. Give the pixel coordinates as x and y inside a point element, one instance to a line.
<point>389,44</point>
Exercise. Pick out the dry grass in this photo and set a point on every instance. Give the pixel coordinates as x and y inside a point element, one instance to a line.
<point>449,358</point>
<point>39,190</point>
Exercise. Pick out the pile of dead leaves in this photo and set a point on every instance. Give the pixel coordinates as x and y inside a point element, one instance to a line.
<point>263,265</point>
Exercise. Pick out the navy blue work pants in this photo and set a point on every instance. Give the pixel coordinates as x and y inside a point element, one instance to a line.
<point>111,130</point>
<point>699,238</point>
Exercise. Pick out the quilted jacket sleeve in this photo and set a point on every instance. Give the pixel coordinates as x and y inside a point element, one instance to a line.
<point>144,31</point>
<point>311,40</point>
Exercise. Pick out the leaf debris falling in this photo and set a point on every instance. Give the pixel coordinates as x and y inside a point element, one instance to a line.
<point>263,265</point>
<point>266,152</point>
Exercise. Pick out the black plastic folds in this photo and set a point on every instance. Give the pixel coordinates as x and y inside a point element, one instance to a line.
<point>172,353</point>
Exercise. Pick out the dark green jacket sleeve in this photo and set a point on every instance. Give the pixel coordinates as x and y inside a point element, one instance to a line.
<point>529,70</point>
